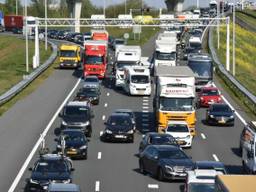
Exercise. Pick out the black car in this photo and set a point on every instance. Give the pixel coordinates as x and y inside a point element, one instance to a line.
<point>216,165</point>
<point>77,115</point>
<point>119,126</point>
<point>165,162</point>
<point>129,112</point>
<point>91,94</point>
<point>76,144</point>
<point>49,168</point>
<point>220,114</point>
<point>153,138</point>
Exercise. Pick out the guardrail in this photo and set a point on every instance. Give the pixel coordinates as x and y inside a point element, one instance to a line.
<point>29,78</point>
<point>239,89</point>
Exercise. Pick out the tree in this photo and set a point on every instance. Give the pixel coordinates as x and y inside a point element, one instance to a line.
<point>10,6</point>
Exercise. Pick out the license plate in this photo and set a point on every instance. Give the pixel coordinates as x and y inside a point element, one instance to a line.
<point>120,136</point>
<point>222,121</point>
<point>71,152</point>
<point>181,142</point>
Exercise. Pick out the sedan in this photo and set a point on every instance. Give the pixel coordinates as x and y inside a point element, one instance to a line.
<point>76,144</point>
<point>91,94</point>
<point>165,162</point>
<point>153,138</point>
<point>220,114</point>
<point>119,126</point>
<point>208,96</point>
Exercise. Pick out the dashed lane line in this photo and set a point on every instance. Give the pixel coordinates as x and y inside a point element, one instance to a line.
<point>103,117</point>
<point>145,104</point>
<point>97,186</point>
<point>105,105</point>
<point>203,136</point>
<point>108,94</point>
<point>153,186</point>
<point>145,107</point>
<point>99,155</point>
<point>215,157</point>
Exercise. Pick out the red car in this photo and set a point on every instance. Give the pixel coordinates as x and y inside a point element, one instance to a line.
<point>208,96</point>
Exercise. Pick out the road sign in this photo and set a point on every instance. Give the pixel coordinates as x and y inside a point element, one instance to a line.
<point>126,35</point>
<point>41,36</point>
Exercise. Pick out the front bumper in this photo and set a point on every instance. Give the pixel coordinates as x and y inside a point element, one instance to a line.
<point>69,65</point>
<point>75,153</point>
<point>185,142</point>
<point>221,121</point>
<point>135,91</point>
<point>118,137</point>
<point>175,175</point>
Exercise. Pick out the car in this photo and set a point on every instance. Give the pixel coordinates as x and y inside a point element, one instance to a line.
<point>129,112</point>
<point>119,126</point>
<point>77,115</point>
<point>61,187</point>
<point>91,94</point>
<point>91,81</point>
<point>118,42</point>
<point>153,138</point>
<point>208,165</point>
<point>208,96</point>
<point>76,144</point>
<point>220,114</point>
<point>165,162</point>
<point>181,132</point>
<point>50,168</point>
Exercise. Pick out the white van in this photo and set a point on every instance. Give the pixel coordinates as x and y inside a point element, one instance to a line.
<point>137,80</point>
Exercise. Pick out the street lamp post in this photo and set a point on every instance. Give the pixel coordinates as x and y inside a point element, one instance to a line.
<point>234,41</point>
<point>46,30</point>
<point>218,24</point>
<point>17,7</point>
<point>228,45</point>
<point>197,3</point>
<point>26,34</point>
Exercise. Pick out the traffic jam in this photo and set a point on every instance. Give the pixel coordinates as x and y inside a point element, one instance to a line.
<point>178,88</point>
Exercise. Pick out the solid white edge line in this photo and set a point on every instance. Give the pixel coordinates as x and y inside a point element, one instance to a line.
<point>99,155</point>
<point>153,186</point>
<point>97,186</point>
<point>215,157</point>
<point>33,151</point>
<point>237,114</point>
<point>203,136</point>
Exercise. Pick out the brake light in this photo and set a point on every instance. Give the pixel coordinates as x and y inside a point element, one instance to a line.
<point>201,98</point>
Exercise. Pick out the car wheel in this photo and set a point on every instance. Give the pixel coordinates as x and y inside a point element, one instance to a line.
<point>160,174</point>
<point>142,170</point>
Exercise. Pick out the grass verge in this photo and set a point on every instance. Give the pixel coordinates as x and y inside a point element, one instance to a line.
<point>247,19</point>
<point>12,64</point>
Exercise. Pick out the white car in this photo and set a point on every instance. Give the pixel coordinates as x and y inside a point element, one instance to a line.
<point>180,131</point>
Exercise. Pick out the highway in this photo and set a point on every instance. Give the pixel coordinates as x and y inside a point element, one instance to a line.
<point>110,167</point>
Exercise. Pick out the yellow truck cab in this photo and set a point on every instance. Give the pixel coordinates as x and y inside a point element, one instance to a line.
<point>69,56</point>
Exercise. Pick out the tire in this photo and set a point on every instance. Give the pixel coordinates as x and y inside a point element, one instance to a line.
<point>160,174</point>
<point>142,170</point>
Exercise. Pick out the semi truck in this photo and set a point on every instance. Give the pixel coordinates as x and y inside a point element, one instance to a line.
<point>69,56</point>
<point>99,35</point>
<point>13,22</point>
<point>174,98</point>
<point>95,59</point>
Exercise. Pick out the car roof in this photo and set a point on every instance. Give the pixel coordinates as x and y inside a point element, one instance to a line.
<point>120,114</point>
<point>164,147</point>
<point>63,187</point>
<point>50,156</point>
<point>155,134</point>
<point>220,104</point>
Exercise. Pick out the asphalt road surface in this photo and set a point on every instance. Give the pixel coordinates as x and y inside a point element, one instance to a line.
<point>110,167</point>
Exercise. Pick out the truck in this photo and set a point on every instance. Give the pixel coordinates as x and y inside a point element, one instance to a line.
<point>69,56</point>
<point>99,35</point>
<point>95,59</point>
<point>13,23</point>
<point>137,80</point>
<point>174,98</point>
<point>235,183</point>
<point>202,66</point>
<point>127,55</point>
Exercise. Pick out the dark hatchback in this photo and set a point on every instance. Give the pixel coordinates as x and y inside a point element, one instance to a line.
<point>153,138</point>
<point>119,126</point>
<point>91,94</point>
<point>76,144</point>
<point>165,162</point>
<point>49,168</point>
<point>220,114</point>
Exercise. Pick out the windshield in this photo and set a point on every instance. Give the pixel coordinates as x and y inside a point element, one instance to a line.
<point>139,79</point>
<point>177,128</point>
<point>123,64</point>
<point>51,166</point>
<point>195,45</point>
<point>74,137</point>
<point>75,111</point>
<point>201,68</point>
<point>201,187</point>
<point>119,121</point>
<point>65,53</point>
<point>157,140</point>
<point>93,60</point>
<point>88,91</point>
<point>91,79</point>
<point>210,92</point>
<point>119,42</point>
<point>176,104</point>
<point>221,108</point>
<point>166,56</point>
<point>172,154</point>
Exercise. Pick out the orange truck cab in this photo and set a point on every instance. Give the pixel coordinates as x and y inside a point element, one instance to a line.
<point>95,60</point>
<point>99,35</point>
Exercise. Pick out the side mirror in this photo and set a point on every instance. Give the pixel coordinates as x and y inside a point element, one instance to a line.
<point>143,136</point>
<point>156,157</point>
<point>56,140</point>
<point>30,169</point>
<point>105,123</point>
<point>151,81</point>
<point>72,169</point>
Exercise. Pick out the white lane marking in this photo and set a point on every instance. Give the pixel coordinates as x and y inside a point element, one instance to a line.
<point>145,111</point>
<point>105,105</point>
<point>108,94</point>
<point>33,151</point>
<point>145,97</point>
<point>97,186</point>
<point>103,117</point>
<point>215,157</point>
<point>99,155</point>
<point>153,186</point>
<point>145,104</point>
<point>145,100</point>
<point>237,114</point>
<point>144,107</point>
<point>203,136</point>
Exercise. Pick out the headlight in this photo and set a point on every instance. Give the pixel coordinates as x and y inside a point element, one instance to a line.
<point>33,181</point>
<point>130,132</point>
<point>64,123</point>
<point>66,181</point>
<point>211,116</point>
<point>232,116</point>
<point>168,168</point>
<point>59,146</point>
<point>83,147</point>
<point>85,124</point>
<point>108,131</point>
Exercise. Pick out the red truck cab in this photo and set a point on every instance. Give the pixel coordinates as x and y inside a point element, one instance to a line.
<point>95,60</point>
<point>99,35</point>
<point>209,95</point>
